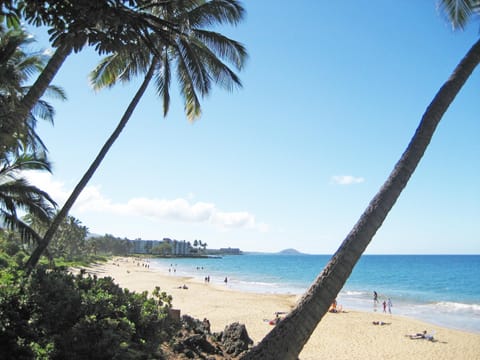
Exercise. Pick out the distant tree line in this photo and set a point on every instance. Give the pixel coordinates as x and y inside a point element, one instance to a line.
<point>109,245</point>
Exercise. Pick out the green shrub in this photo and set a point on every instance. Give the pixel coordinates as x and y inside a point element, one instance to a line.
<point>55,315</point>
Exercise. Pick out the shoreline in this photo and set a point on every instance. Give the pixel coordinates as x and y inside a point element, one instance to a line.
<point>346,335</point>
<point>444,305</point>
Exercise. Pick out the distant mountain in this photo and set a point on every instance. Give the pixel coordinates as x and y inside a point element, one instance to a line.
<point>289,252</point>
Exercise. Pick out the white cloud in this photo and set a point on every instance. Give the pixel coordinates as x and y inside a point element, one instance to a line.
<point>347,180</point>
<point>233,219</point>
<point>44,181</point>
<point>177,209</point>
<point>182,210</point>
<point>90,197</point>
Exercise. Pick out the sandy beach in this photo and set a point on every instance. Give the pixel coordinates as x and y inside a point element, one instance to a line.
<point>346,335</point>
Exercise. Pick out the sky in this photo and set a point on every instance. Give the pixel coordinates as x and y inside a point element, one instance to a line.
<point>332,93</point>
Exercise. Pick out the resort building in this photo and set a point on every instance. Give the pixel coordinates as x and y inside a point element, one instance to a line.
<point>143,246</point>
<point>179,247</point>
<point>230,251</point>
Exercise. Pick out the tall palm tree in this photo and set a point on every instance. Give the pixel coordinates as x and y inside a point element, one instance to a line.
<point>198,56</point>
<point>287,339</point>
<point>17,194</point>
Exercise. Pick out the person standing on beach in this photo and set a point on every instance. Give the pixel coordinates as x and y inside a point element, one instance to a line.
<point>389,305</point>
<point>375,300</point>
<point>384,306</point>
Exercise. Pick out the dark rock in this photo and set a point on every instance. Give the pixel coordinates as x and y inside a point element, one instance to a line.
<point>200,344</point>
<point>193,341</point>
<point>235,339</point>
<point>192,324</point>
<point>189,354</point>
<point>178,346</point>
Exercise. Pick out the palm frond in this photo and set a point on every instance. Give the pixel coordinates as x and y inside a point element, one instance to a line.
<point>162,82</point>
<point>56,92</point>
<point>228,49</point>
<point>30,65</point>
<point>458,12</point>
<point>105,73</point>
<point>24,162</point>
<point>121,66</point>
<point>43,110</point>
<point>19,194</point>
<point>218,71</point>
<point>27,233</point>
<point>187,88</point>
<point>216,12</point>
<point>196,69</point>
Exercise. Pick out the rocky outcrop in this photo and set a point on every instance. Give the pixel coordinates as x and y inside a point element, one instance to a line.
<point>194,341</point>
<point>235,339</point>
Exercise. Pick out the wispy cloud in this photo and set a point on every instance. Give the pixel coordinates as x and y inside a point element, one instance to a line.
<point>347,180</point>
<point>181,210</point>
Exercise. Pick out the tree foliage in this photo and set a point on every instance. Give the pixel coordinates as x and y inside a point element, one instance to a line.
<point>17,67</point>
<point>197,55</point>
<point>17,194</point>
<point>105,24</point>
<point>108,244</point>
<point>56,315</point>
<point>164,248</point>
<point>21,148</point>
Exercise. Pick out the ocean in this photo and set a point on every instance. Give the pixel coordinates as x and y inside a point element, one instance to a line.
<point>440,289</point>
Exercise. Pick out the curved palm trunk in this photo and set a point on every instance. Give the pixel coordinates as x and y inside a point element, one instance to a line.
<point>33,260</point>
<point>287,339</point>
<point>43,81</point>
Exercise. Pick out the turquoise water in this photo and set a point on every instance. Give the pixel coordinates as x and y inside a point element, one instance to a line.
<point>440,289</point>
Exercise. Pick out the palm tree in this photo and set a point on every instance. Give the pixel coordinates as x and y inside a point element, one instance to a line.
<point>287,339</point>
<point>17,194</point>
<point>16,67</point>
<point>20,147</point>
<point>197,55</point>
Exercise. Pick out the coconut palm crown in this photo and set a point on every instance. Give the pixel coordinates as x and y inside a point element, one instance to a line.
<point>196,55</point>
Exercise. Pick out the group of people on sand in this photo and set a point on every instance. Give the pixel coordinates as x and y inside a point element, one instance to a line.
<point>387,306</point>
<point>387,303</point>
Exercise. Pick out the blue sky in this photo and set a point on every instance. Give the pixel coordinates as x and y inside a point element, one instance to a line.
<point>332,93</point>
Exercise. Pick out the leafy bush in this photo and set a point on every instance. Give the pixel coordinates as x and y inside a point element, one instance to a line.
<point>55,315</point>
